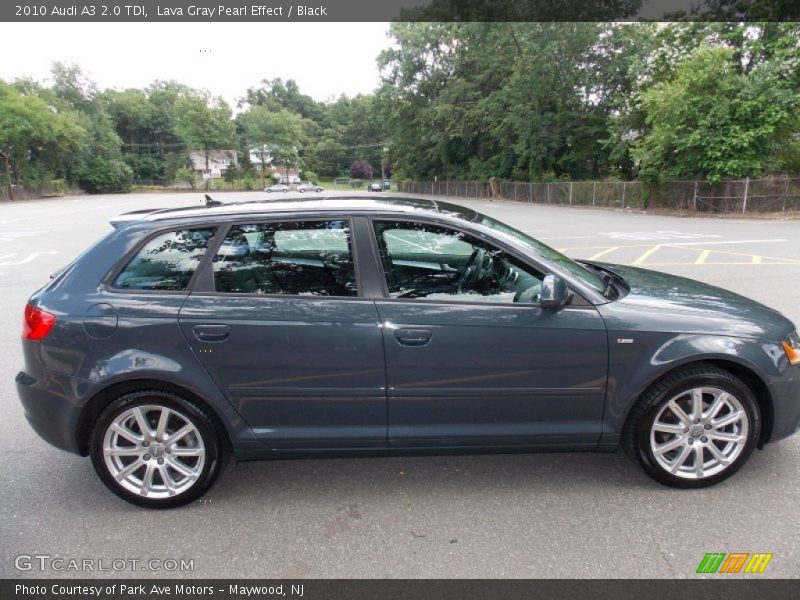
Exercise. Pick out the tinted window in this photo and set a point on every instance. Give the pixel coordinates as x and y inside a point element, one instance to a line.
<point>167,262</point>
<point>306,258</point>
<point>428,261</point>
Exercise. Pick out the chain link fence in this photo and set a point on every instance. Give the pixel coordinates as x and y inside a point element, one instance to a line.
<point>216,184</point>
<point>776,194</point>
<point>27,192</point>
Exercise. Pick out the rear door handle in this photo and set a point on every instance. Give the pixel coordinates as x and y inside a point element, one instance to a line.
<point>211,333</point>
<point>413,337</point>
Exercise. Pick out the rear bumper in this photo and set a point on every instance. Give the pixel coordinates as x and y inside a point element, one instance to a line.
<point>50,406</point>
<point>785,393</point>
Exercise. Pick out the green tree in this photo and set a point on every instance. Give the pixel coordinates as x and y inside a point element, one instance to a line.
<point>277,94</point>
<point>185,174</point>
<point>714,121</point>
<point>204,122</point>
<point>512,100</point>
<point>276,136</point>
<point>72,87</point>
<point>103,175</point>
<point>98,164</point>
<point>31,134</point>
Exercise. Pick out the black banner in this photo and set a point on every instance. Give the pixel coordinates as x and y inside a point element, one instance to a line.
<point>721,587</point>
<point>282,11</point>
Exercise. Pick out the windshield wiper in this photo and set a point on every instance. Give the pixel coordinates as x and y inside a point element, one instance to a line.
<point>610,290</point>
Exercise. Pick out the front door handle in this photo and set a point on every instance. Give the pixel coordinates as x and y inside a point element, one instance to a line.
<point>211,333</point>
<point>413,337</point>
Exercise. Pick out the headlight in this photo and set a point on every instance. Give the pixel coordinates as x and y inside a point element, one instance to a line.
<point>792,348</point>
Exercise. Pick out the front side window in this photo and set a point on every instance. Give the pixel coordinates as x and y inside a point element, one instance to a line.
<point>304,258</point>
<point>167,262</point>
<point>428,261</point>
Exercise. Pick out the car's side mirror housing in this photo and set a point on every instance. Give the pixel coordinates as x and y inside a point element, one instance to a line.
<point>555,292</point>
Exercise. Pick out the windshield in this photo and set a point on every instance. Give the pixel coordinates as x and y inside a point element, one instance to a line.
<point>587,276</point>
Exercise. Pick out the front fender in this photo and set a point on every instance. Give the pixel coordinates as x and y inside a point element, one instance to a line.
<point>638,359</point>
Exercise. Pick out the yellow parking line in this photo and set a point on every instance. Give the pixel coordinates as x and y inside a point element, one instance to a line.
<point>702,258</point>
<point>756,259</point>
<point>603,253</point>
<point>647,254</point>
<point>788,261</point>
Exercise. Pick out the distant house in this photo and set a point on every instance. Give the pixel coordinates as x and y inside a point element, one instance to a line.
<point>214,164</point>
<point>257,157</point>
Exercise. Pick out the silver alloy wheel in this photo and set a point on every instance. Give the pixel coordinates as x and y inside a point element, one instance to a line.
<point>154,451</point>
<point>707,424</point>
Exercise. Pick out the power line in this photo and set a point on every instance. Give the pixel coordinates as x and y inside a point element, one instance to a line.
<point>184,144</point>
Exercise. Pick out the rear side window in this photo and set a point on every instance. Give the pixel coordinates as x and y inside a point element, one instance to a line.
<point>167,262</point>
<point>303,258</point>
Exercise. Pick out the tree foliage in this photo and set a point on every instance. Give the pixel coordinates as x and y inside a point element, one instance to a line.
<point>276,135</point>
<point>535,101</point>
<point>361,169</point>
<point>543,101</point>
<point>34,137</point>
<point>712,120</point>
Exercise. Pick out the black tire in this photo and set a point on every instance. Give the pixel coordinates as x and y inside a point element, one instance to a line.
<point>269,191</point>
<point>637,431</point>
<point>209,432</point>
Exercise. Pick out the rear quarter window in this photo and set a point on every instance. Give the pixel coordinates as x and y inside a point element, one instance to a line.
<point>166,262</point>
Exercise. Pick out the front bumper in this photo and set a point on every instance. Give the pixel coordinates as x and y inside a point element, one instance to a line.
<point>785,393</point>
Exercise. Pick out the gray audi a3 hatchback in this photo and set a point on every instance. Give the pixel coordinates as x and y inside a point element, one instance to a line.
<point>361,326</point>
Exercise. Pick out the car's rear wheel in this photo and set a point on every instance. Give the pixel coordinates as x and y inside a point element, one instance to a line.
<point>156,449</point>
<point>694,428</point>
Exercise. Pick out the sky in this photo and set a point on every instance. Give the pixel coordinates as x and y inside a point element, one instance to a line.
<point>325,59</point>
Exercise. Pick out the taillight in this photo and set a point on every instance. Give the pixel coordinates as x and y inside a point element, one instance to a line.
<point>37,323</point>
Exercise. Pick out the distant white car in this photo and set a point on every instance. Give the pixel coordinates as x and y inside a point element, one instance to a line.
<point>308,187</point>
<point>278,187</point>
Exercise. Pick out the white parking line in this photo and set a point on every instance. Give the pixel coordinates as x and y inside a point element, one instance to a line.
<point>725,242</point>
<point>565,237</point>
<point>12,236</point>
<point>27,259</point>
<point>661,234</point>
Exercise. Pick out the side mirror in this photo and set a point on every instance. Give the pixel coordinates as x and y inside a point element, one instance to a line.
<point>555,293</point>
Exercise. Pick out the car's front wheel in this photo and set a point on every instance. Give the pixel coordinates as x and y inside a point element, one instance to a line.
<point>156,449</point>
<point>694,428</point>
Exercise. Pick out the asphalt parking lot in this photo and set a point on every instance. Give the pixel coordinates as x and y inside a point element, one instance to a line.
<point>538,515</point>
